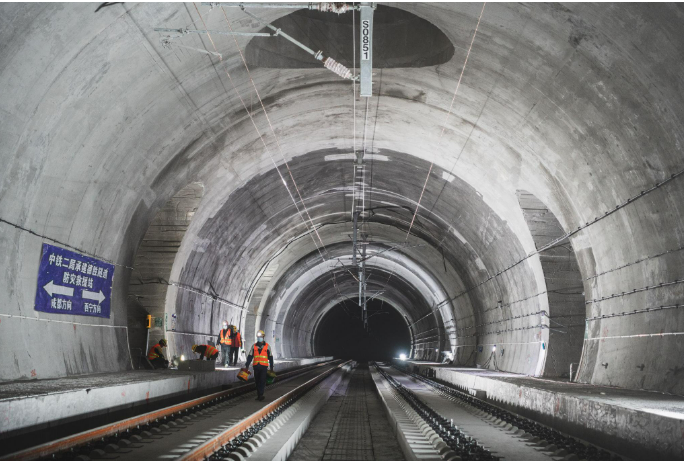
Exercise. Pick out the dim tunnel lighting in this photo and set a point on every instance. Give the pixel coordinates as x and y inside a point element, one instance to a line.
<point>402,356</point>
<point>182,358</point>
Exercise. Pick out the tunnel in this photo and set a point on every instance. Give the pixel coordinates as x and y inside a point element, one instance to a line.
<point>507,203</point>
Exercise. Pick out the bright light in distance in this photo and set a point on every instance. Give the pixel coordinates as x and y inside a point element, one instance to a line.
<point>402,356</point>
<point>494,349</point>
<point>182,358</point>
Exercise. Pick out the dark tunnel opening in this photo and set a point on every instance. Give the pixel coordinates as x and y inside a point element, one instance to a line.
<point>340,333</point>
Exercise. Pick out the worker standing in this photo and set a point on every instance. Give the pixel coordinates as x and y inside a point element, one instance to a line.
<point>156,355</point>
<point>235,346</point>
<point>261,354</point>
<point>225,340</point>
<point>206,351</point>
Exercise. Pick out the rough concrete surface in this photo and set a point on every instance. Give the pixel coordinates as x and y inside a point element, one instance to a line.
<point>106,136</point>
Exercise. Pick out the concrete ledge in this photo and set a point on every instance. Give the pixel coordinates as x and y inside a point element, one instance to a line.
<point>636,424</point>
<point>26,406</point>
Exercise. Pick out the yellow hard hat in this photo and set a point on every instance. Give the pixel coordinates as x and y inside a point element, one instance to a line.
<point>261,333</point>
<point>194,346</point>
<point>162,342</point>
<point>234,328</point>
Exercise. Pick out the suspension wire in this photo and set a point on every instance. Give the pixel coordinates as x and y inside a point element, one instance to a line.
<point>444,125</point>
<point>441,135</point>
<point>267,150</point>
<point>268,119</point>
<point>313,227</point>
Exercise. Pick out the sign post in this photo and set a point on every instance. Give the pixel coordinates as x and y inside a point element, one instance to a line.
<point>366,49</point>
<point>72,283</point>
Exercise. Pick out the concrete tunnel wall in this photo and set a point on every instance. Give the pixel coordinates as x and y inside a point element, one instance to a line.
<point>579,104</point>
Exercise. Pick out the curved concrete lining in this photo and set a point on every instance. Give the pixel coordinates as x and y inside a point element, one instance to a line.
<point>579,104</point>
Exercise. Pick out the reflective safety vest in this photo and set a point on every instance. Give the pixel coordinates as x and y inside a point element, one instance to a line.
<point>261,358</point>
<point>153,354</point>
<point>210,350</point>
<point>226,339</point>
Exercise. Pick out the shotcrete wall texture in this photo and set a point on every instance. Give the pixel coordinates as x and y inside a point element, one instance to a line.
<point>579,104</point>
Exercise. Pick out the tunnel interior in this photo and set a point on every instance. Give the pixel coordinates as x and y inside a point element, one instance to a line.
<point>341,333</point>
<point>522,183</point>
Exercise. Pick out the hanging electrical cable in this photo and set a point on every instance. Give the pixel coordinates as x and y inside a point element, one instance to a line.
<point>441,136</point>
<point>267,150</point>
<point>287,166</point>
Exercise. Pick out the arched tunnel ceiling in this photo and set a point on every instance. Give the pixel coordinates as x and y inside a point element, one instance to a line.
<point>579,104</point>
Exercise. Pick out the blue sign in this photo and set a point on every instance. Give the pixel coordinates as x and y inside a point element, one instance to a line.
<point>71,283</point>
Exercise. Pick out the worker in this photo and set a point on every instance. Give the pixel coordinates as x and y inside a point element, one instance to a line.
<point>156,355</point>
<point>261,354</point>
<point>225,340</point>
<point>235,346</point>
<point>206,351</point>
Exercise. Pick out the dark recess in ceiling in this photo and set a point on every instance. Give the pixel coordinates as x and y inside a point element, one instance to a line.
<point>400,39</point>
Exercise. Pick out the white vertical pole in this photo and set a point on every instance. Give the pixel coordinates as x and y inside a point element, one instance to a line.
<point>366,49</point>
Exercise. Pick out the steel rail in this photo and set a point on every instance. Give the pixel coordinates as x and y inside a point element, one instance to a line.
<point>65,443</point>
<point>217,442</point>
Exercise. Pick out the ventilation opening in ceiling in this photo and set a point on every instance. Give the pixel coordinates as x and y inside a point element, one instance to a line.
<point>341,334</point>
<point>400,39</point>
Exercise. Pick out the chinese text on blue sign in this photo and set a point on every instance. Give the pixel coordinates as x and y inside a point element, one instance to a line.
<point>71,283</point>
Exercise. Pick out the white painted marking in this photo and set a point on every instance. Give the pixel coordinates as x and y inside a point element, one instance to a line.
<point>448,177</point>
<point>51,288</point>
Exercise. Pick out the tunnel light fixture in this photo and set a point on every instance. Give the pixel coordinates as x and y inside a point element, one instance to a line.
<point>182,358</point>
<point>494,348</point>
<point>402,356</point>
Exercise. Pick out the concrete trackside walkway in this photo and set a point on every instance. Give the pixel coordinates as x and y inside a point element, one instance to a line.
<point>351,426</point>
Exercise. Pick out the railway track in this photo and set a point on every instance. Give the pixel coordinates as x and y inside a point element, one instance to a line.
<point>430,420</point>
<point>478,430</point>
<point>168,432</point>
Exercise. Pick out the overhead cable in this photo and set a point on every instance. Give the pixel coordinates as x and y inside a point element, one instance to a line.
<point>444,125</point>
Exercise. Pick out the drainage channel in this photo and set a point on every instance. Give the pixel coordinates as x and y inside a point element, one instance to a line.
<point>516,437</point>
<point>146,436</point>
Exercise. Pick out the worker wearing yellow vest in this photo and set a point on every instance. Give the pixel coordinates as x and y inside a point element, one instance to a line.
<point>206,351</point>
<point>156,355</point>
<point>226,341</point>
<point>260,353</point>
<point>235,346</point>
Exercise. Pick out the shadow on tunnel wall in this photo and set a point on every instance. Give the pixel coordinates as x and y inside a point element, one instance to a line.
<point>341,334</point>
<point>400,39</point>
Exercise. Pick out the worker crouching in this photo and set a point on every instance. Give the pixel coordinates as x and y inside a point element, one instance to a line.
<point>156,355</point>
<point>261,358</point>
<point>206,351</point>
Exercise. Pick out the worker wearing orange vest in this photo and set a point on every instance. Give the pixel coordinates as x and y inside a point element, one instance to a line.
<point>206,351</point>
<point>260,353</point>
<point>156,355</point>
<point>225,339</point>
<point>235,346</point>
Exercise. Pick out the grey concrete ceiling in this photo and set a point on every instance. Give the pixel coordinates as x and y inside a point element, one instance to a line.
<point>579,104</point>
